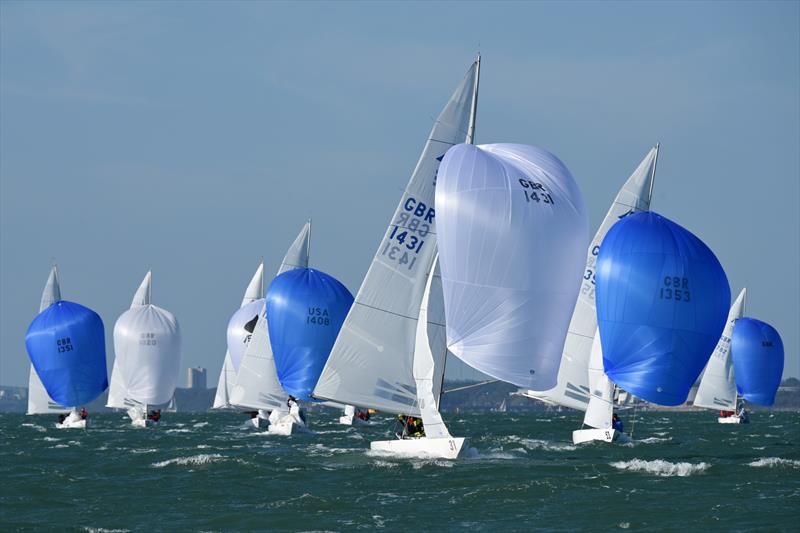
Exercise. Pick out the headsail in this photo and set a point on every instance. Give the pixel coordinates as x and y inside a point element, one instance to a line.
<point>513,232</point>
<point>227,376</point>
<point>371,363</point>
<point>256,385</point>
<point>142,296</point>
<point>717,388</point>
<point>39,403</point>
<point>573,385</point>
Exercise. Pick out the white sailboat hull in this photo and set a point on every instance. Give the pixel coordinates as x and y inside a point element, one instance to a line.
<point>439,448</point>
<point>143,423</point>
<point>72,424</point>
<point>735,419</point>
<point>259,422</point>
<point>350,420</point>
<point>580,436</point>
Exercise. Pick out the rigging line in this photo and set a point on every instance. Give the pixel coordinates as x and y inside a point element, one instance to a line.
<point>471,386</point>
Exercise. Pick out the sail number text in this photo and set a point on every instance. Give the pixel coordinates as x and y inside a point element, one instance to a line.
<point>535,192</point>
<point>318,316</point>
<point>64,345</point>
<point>675,288</point>
<point>408,232</point>
<point>147,339</point>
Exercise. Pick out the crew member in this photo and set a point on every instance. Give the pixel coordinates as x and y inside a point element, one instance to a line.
<point>616,423</point>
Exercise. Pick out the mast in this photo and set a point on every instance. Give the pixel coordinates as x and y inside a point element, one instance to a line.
<point>653,175</point>
<point>474,109</point>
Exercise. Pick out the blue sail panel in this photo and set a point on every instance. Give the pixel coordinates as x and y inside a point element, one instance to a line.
<point>662,301</point>
<point>66,345</point>
<point>305,311</point>
<point>757,352</point>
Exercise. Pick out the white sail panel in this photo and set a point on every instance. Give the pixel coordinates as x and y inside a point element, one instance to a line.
<point>39,402</point>
<point>116,389</point>
<point>256,384</point>
<point>142,296</point>
<point>572,389</point>
<point>512,237</point>
<point>601,404</point>
<point>427,371</point>
<point>255,289</point>
<point>717,388</point>
<point>371,363</point>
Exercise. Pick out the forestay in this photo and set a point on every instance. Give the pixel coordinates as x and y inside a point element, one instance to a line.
<point>39,403</point>
<point>573,385</point>
<point>717,388</point>
<point>256,384</point>
<point>227,376</point>
<point>147,346</point>
<point>371,363</point>
<point>512,237</point>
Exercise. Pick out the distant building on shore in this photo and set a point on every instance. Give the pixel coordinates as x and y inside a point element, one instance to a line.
<point>196,378</point>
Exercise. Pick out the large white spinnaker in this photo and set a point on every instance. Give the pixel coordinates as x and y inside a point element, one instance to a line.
<point>39,402</point>
<point>512,232</point>
<point>256,385</point>
<point>573,387</point>
<point>717,388</point>
<point>147,345</point>
<point>371,363</point>
<point>227,376</point>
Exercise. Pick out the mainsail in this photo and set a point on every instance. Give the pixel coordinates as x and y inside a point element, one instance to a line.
<point>573,385</point>
<point>227,376</point>
<point>256,385</point>
<point>717,388</point>
<point>371,363</point>
<point>39,402</point>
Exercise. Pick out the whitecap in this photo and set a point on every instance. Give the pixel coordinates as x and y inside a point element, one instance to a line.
<point>772,462</point>
<point>201,424</point>
<point>201,459</point>
<point>662,468</point>
<point>183,430</point>
<point>539,444</point>
<point>146,450</point>
<point>653,440</point>
<point>51,439</point>
<point>37,427</point>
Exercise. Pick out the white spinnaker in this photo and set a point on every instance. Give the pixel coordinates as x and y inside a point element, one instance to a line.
<point>572,389</point>
<point>227,376</point>
<point>717,389</point>
<point>601,404</point>
<point>39,402</point>
<point>371,363</point>
<point>513,232</point>
<point>147,345</point>
<point>428,368</point>
<point>256,385</point>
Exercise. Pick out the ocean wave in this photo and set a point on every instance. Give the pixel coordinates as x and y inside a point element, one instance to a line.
<point>146,450</point>
<point>181,430</point>
<point>37,427</point>
<point>202,459</point>
<point>772,462</point>
<point>201,424</point>
<point>653,440</point>
<point>51,439</point>
<point>662,468</point>
<point>539,444</point>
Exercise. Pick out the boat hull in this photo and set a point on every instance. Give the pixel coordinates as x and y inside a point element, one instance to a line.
<point>735,419</point>
<point>346,420</point>
<point>259,423</point>
<point>75,424</point>
<point>439,448</point>
<point>580,436</point>
<point>143,423</point>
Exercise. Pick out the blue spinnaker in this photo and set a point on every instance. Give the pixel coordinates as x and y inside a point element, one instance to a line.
<point>757,352</point>
<point>662,303</point>
<point>66,345</point>
<point>305,310</point>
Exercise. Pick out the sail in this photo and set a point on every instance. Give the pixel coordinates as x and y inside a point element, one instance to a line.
<point>757,351</point>
<point>256,384</point>
<point>305,311</point>
<point>427,373</point>
<point>513,232</point>
<point>371,363</point>
<point>662,299</point>
<point>572,389</point>
<point>601,404</point>
<point>142,295</point>
<point>240,330</point>
<point>147,345</point>
<point>66,345</point>
<point>39,403</point>
<point>717,389</point>
<point>116,389</point>
<point>227,376</point>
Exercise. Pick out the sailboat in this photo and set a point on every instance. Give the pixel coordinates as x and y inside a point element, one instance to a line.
<point>758,359</point>
<point>39,402</point>
<point>66,346</point>
<point>717,389</point>
<point>256,385</point>
<point>574,380</point>
<point>227,376</point>
<point>372,363</point>
<point>662,298</point>
<point>147,344</point>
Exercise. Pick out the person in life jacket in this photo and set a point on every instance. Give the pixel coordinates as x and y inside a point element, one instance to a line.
<point>725,414</point>
<point>402,432</point>
<point>61,418</point>
<point>84,413</point>
<point>155,415</point>
<point>415,428</point>
<point>616,423</point>
<point>362,415</point>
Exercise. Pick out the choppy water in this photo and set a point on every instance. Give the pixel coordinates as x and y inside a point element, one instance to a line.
<point>209,472</point>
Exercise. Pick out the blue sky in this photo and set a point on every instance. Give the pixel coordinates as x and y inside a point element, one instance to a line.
<point>194,138</point>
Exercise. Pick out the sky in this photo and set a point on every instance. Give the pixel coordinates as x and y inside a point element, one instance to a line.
<point>195,138</point>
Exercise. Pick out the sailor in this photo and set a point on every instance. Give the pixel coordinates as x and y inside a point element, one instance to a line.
<point>295,410</point>
<point>616,423</point>
<point>84,413</point>
<point>415,428</point>
<point>155,415</point>
<point>362,415</point>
